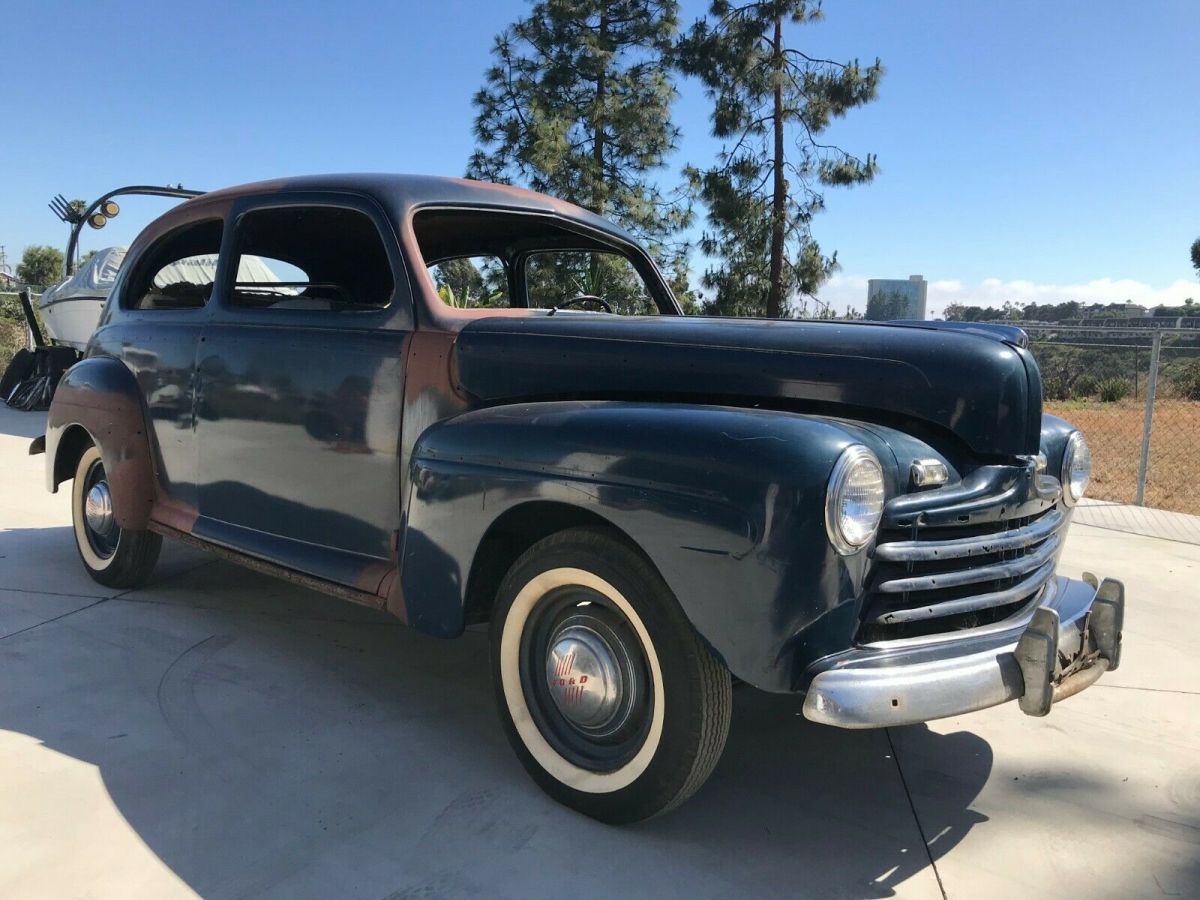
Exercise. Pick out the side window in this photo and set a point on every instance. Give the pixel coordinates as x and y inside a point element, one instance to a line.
<point>554,277</point>
<point>311,257</point>
<point>471,282</point>
<point>179,271</point>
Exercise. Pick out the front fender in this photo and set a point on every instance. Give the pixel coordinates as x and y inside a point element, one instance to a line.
<point>727,503</point>
<point>100,397</point>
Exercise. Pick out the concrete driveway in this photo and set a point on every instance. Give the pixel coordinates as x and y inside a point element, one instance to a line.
<point>225,734</point>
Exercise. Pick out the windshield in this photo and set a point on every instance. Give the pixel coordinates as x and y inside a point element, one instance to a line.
<point>491,259</point>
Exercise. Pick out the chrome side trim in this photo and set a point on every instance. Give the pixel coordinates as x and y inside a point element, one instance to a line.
<point>1013,539</point>
<point>992,572</point>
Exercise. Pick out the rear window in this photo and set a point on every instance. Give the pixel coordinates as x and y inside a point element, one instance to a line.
<point>178,272</point>
<point>321,258</point>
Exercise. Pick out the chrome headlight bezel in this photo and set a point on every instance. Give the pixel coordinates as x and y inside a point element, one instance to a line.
<point>856,462</point>
<point>1075,452</point>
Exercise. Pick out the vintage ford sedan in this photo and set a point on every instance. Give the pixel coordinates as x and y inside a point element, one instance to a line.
<point>465,403</point>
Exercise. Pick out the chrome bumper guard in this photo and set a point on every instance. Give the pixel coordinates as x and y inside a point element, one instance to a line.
<point>1072,638</point>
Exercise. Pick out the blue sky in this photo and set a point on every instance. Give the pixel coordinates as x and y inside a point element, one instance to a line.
<point>1029,150</point>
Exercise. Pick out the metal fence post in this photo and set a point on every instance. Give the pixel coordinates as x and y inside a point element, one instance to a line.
<point>1151,382</point>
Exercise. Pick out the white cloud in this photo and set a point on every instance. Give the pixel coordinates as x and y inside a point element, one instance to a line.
<point>843,290</point>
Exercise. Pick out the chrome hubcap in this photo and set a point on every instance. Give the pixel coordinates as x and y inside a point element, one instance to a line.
<point>97,509</point>
<point>584,676</point>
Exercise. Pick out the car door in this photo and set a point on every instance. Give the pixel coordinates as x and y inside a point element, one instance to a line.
<point>299,388</point>
<point>164,293</point>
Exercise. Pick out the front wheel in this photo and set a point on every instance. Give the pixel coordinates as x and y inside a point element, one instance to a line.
<point>614,705</point>
<point>113,556</point>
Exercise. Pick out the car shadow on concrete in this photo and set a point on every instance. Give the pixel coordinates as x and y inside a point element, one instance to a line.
<point>261,739</point>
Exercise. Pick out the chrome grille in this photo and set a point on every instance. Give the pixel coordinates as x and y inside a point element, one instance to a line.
<point>928,580</point>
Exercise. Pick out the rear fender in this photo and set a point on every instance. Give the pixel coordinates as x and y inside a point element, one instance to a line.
<point>726,503</point>
<point>98,401</point>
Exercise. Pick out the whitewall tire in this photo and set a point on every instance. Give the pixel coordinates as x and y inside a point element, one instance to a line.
<point>112,556</point>
<point>610,699</point>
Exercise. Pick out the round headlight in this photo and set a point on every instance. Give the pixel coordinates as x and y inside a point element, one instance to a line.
<point>1076,468</point>
<point>854,500</point>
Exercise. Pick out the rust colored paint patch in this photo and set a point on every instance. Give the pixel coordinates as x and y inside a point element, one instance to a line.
<point>429,397</point>
<point>177,516</point>
<point>115,423</point>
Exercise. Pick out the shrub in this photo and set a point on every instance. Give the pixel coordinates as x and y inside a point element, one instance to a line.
<point>12,339</point>
<point>1186,380</point>
<point>1086,386</point>
<point>1113,389</point>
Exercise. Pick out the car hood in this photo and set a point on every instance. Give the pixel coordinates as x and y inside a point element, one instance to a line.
<point>980,386</point>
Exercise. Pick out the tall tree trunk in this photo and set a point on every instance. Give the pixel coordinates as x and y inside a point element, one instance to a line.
<point>779,200</point>
<point>598,123</point>
<point>598,193</point>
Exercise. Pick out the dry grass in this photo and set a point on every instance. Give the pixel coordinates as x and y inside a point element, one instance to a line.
<point>1114,432</point>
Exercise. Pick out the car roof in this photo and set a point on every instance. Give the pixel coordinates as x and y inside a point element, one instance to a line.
<point>403,194</point>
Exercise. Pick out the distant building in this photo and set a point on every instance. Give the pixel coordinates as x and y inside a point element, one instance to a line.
<point>896,298</point>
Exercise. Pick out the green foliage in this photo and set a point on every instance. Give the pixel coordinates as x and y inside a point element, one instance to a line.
<point>40,264</point>
<point>577,105</point>
<point>559,275</point>
<point>1086,385</point>
<point>1196,255</point>
<point>1110,390</point>
<point>676,272</point>
<point>1051,312</point>
<point>460,275</point>
<point>885,306</point>
<point>12,339</point>
<point>12,328</point>
<point>1185,380</point>
<point>1072,371</point>
<point>461,284</point>
<point>771,104</point>
<point>1190,308</point>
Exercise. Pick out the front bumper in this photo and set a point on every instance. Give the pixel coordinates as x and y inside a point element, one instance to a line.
<point>1067,642</point>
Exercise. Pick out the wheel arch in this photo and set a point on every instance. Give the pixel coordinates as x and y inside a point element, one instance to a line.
<point>99,402</point>
<point>74,440</point>
<point>514,532</point>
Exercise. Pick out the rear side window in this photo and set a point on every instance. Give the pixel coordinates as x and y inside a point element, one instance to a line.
<point>321,258</point>
<point>179,271</point>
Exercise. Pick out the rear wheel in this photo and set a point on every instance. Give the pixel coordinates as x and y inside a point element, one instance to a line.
<point>113,556</point>
<point>610,699</point>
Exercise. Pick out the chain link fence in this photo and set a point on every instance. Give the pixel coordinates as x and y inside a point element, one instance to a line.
<point>1135,394</point>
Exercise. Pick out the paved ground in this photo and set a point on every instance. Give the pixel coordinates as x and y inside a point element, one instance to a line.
<point>228,735</point>
<point>1160,523</point>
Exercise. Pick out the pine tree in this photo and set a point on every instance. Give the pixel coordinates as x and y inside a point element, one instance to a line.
<point>771,104</point>
<point>577,104</point>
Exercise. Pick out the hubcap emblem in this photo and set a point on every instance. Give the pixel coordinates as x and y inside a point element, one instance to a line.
<point>583,676</point>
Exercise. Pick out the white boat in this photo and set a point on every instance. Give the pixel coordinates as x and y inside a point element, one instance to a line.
<point>71,309</point>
